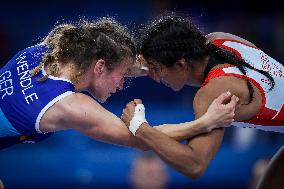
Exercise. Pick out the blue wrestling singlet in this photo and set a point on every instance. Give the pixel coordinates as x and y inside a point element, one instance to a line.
<point>24,100</point>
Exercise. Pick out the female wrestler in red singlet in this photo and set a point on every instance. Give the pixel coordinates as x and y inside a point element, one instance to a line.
<point>178,54</point>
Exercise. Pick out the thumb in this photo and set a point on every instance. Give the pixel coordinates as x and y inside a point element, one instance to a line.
<point>234,101</point>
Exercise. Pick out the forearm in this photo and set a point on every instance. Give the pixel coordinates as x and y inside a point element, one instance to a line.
<point>85,115</point>
<point>117,134</point>
<point>179,156</point>
<point>184,131</point>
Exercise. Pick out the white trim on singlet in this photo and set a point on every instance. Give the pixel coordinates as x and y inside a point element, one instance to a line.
<point>279,129</point>
<point>52,102</point>
<point>55,78</point>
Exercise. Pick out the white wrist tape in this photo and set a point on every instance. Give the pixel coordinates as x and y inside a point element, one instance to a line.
<point>138,118</point>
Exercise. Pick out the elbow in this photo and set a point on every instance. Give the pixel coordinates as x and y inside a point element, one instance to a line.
<point>195,172</point>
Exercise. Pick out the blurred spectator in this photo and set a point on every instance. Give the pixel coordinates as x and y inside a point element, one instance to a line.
<point>148,172</point>
<point>258,170</point>
<point>1,185</point>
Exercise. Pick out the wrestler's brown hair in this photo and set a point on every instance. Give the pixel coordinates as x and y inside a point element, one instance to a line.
<point>84,42</point>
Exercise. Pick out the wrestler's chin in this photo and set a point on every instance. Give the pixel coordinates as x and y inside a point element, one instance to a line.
<point>175,88</point>
<point>100,97</point>
<point>103,99</point>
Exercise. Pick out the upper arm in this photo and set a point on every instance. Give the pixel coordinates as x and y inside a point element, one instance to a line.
<point>228,36</point>
<point>237,86</point>
<point>80,112</point>
<point>208,144</point>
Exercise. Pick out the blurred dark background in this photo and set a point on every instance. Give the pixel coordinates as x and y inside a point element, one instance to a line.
<point>71,160</point>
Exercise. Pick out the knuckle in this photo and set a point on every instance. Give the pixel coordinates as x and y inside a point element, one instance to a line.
<point>230,108</point>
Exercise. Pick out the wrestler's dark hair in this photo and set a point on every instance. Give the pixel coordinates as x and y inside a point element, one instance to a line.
<point>83,42</point>
<point>173,36</point>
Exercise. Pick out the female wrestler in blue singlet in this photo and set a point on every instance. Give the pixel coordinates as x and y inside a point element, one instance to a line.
<point>40,86</point>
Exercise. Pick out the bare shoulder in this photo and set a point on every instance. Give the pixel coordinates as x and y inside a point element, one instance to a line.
<point>236,86</point>
<point>222,35</point>
<point>74,104</point>
<point>215,87</point>
<point>70,109</point>
<point>218,85</point>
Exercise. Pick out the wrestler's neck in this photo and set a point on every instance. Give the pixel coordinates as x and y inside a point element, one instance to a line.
<point>70,72</point>
<point>83,81</point>
<point>196,72</point>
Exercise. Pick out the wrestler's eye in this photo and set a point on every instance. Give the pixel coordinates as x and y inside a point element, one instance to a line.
<point>154,68</point>
<point>158,70</point>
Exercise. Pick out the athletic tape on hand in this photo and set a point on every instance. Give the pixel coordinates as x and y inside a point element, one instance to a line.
<point>138,118</point>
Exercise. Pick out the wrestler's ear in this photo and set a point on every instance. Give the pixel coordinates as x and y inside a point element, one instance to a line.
<point>100,66</point>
